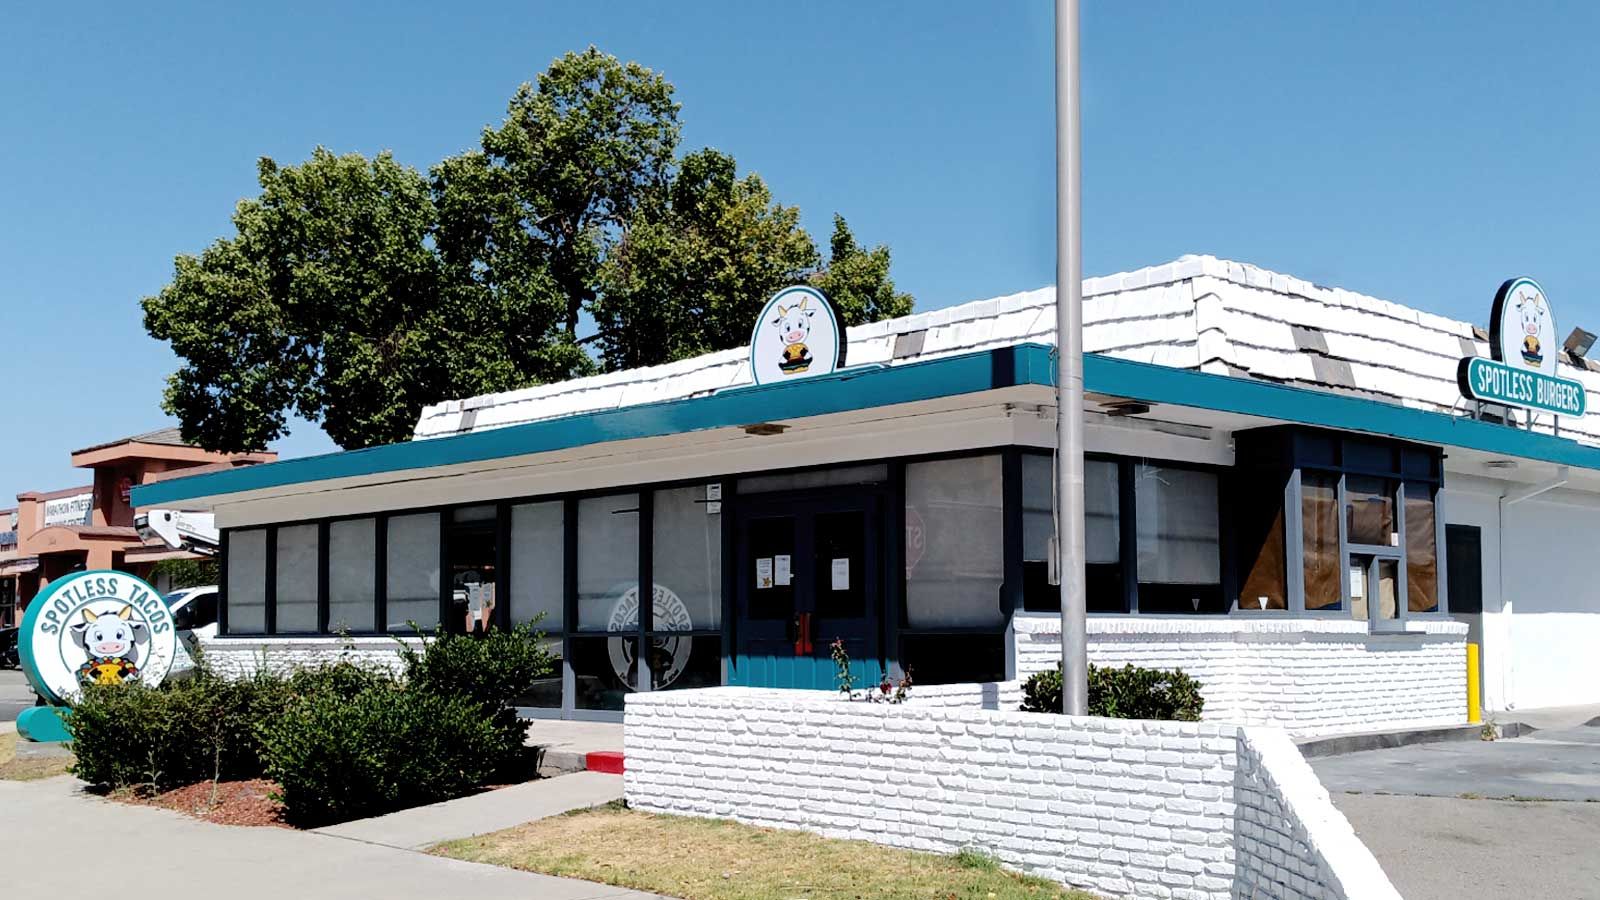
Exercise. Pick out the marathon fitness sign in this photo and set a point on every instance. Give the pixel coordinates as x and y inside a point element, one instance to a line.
<point>1522,337</point>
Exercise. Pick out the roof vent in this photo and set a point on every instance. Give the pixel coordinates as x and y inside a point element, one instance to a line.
<point>909,343</point>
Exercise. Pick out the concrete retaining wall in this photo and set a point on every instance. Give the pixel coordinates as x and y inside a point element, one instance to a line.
<point>1309,676</point>
<point>1128,809</point>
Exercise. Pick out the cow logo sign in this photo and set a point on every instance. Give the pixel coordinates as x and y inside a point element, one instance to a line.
<point>798,334</point>
<point>1523,372</point>
<point>668,653</point>
<point>1523,327</point>
<point>99,627</point>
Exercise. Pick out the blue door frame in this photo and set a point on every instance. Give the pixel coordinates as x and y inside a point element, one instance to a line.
<point>783,627</point>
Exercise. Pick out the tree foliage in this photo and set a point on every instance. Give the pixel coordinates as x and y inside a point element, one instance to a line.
<point>355,291</point>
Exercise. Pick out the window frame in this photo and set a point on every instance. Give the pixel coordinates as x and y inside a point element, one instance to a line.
<point>1128,527</point>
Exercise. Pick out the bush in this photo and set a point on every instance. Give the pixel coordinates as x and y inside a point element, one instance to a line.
<point>383,749</point>
<point>492,670</point>
<point>1130,692</point>
<point>155,739</point>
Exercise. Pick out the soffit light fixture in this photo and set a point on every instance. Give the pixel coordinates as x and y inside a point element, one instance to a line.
<point>765,429</point>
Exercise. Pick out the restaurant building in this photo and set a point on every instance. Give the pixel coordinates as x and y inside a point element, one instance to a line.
<point>1287,495</point>
<point>51,533</point>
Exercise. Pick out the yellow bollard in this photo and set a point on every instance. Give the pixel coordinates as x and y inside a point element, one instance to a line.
<point>1474,698</point>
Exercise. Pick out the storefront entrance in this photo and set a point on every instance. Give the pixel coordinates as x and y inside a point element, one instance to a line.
<point>809,570</point>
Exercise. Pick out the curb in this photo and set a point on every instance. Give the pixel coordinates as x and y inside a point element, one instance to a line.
<point>1338,745</point>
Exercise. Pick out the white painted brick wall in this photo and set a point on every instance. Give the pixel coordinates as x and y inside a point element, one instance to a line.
<point>1309,676</point>
<point>1127,809</point>
<point>235,657</point>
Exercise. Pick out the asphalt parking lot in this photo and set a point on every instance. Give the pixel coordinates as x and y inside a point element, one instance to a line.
<point>14,694</point>
<point>1479,819</point>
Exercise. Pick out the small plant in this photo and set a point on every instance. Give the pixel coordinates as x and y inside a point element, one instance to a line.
<point>841,659</point>
<point>1489,732</point>
<point>887,690</point>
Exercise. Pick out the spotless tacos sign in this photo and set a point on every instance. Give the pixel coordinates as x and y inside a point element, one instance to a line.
<point>99,627</point>
<point>1522,337</point>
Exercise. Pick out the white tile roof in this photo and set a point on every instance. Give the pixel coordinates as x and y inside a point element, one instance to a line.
<point>1197,312</point>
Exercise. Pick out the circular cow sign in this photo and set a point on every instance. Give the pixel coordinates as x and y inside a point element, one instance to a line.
<point>99,627</point>
<point>797,335</point>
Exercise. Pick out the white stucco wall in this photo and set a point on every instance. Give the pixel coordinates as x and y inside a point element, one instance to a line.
<point>1153,810</point>
<point>1308,676</point>
<point>1541,597</point>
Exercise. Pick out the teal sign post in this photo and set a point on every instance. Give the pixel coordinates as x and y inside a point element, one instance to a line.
<point>1523,373</point>
<point>97,627</point>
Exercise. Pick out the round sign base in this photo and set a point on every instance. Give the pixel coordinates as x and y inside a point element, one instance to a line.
<point>44,724</point>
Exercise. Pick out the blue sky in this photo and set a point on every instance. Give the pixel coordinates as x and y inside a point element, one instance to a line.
<point>1421,152</point>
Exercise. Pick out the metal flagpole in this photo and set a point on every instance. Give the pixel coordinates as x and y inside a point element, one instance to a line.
<point>1069,366</point>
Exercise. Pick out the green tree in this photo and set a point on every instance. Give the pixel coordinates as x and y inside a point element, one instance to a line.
<point>545,200</point>
<point>694,267</point>
<point>355,291</point>
<point>326,302</point>
<point>857,280</point>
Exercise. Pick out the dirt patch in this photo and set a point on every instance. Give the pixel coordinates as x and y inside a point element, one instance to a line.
<point>247,803</point>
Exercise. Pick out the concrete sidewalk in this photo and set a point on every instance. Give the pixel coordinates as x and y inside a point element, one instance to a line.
<point>424,826</point>
<point>49,829</point>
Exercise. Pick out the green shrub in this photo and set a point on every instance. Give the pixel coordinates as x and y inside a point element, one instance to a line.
<point>154,739</point>
<point>1130,692</point>
<point>491,670</point>
<point>383,749</point>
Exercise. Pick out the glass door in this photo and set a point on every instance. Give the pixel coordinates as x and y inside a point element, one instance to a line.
<point>809,572</point>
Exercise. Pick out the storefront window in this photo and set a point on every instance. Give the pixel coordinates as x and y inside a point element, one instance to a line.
<point>413,572</point>
<point>1422,550</point>
<point>296,596</point>
<point>247,581</point>
<point>686,560</point>
<point>1319,526</point>
<point>603,668</point>
<point>608,562</point>
<point>538,562</point>
<point>352,546</point>
<point>1102,535</point>
<point>955,556</point>
<point>472,542</point>
<point>1260,539</point>
<point>1369,511</point>
<point>1180,558</point>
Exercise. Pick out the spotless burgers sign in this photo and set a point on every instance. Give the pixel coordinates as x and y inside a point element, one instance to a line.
<point>1522,337</point>
<point>100,627</point>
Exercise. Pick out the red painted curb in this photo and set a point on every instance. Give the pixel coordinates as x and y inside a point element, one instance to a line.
<point>607,761</point>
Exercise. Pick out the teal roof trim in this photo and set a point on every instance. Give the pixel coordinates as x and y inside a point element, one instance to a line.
<point>867,387</point>
<point>842,391</point>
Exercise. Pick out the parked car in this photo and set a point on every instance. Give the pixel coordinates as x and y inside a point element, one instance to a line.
<point>9,658</point>
<point>194,614</point>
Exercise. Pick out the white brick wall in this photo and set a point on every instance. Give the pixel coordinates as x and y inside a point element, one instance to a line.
<point>1127,809</point>
<point>237,656</point>
<point>1309,676</point>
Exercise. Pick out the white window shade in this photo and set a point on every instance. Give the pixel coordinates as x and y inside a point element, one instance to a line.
<point>955,553</point>
<point>247,581</point>
<point>538,560</point>
<point>1101,509</point>
<point>1178,528</point>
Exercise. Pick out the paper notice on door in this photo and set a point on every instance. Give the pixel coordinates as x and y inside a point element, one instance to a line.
<point>780,571</point>
<point>764,572</point>
<point>841,574</point>
<point>1358,582</point>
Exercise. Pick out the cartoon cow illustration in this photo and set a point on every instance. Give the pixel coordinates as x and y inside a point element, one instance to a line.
<point>111,643</point>
<point>1531,308</point>
<point>794,326</point>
